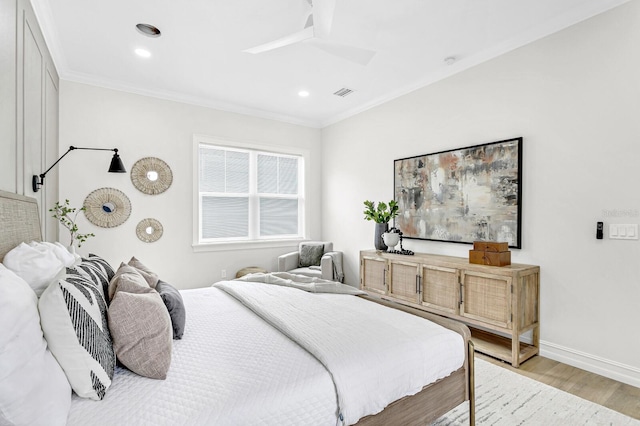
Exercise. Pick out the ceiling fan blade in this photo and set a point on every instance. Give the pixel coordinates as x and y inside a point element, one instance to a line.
<point>305,34</point>
<point>323,17</point>
<point>351,53</point>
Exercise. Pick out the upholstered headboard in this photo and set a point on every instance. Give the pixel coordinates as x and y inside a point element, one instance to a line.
<point>19,221</point>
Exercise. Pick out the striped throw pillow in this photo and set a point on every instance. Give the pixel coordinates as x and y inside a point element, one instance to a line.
<point>73,315</point>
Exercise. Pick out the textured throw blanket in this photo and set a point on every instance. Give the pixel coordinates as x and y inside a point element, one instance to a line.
<point>374,354</point>
<point>301,282</point>
<point>336,261</point>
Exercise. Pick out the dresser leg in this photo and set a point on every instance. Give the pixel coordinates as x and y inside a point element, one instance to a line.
<point>515,350</point>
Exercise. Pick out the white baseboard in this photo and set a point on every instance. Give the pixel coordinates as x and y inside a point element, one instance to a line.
<point>604,367</point>
<point>595,364</point>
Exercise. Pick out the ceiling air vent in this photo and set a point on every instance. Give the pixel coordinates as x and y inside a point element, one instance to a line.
<point>343,92</point>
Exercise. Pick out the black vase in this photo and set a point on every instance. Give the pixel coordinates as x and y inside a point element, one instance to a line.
<point>378,242</point>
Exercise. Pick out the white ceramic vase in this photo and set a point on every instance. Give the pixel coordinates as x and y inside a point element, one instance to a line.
<point>391,239</point>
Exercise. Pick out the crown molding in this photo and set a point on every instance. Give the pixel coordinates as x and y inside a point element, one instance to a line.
<point>187,99</point>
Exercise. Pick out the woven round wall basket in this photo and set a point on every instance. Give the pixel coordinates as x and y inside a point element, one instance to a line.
<point>151,175</point>
<point>149,230</point>
<point>107,207</point>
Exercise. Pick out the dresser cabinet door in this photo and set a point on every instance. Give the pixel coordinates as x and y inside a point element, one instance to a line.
<point>373,275</point>
<point>404,281</point>
<point>440,288</point>
<point>486,298</point>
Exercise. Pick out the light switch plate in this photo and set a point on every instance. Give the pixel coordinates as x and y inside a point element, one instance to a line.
<point>623,231</point>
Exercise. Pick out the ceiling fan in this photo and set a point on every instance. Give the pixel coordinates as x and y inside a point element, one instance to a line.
<point>316,32</point>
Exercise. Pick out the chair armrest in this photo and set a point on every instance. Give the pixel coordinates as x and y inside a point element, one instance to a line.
<point>288,261</point>
<point>326,264</point>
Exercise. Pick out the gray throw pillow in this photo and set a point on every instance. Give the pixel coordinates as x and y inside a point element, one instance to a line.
<point>150,277</point>
<point>141,331</point>
<point>175,305</point>
<point>129,279</point>
<point>310,255</point>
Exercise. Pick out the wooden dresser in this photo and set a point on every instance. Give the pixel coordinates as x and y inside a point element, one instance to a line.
<point>493,301</point>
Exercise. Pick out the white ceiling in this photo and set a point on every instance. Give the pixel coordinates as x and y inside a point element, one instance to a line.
<point>199,58</point>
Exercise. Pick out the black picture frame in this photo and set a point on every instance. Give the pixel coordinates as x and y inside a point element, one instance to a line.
<point>462,195</point>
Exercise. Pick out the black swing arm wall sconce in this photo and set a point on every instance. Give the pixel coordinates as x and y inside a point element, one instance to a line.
<point>116,165</point>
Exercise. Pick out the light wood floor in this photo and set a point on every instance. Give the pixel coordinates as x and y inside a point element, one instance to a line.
<point>601,390</point>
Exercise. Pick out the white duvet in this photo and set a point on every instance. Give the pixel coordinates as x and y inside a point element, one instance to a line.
<point>374,354</point>
<point>234,368</point>
<point>230,368</point>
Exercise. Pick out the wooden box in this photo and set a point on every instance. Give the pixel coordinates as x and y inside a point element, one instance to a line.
<point>501,258</point>
<point>490,246</point>
<point>490,253</point>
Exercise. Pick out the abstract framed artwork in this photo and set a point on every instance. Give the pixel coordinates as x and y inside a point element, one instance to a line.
<point>462,195</point>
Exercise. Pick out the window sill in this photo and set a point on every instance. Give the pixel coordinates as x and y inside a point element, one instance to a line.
<point>245,245</point>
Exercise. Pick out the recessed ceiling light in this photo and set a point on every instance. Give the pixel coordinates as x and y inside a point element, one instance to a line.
<point>143,53</point>
<point>148,30</point>
<point>303,93</point>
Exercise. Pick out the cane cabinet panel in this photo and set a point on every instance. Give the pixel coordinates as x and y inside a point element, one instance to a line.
<point>404,281</point>
<point>486,298</point>
<point>373,274</point>
<point>440,288</point>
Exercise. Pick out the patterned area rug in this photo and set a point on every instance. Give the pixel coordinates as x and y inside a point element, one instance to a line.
<point>504,398</point>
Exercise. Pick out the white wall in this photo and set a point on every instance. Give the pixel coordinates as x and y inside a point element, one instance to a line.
<point>141,126</point>
<point>574,97</point>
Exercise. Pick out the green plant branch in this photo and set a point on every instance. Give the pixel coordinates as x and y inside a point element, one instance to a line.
<point>67,217</point>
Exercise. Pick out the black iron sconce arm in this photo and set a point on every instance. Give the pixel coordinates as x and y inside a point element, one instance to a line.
<point>116,165</point>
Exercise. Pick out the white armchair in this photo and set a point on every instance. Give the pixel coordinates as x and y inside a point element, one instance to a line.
<point>303,261</point>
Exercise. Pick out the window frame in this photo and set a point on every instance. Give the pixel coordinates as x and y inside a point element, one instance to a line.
<point>259,242</point>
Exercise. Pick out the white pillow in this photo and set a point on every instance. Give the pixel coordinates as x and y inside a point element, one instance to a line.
<point>67,258</point>
<point>37,265</point>
<point>33,388</point>
<point>73,315</point>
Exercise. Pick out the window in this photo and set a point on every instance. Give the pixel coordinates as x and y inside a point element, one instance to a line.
<point>248,194</point>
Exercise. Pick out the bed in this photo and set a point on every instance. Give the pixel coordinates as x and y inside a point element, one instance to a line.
<point>249,355</point>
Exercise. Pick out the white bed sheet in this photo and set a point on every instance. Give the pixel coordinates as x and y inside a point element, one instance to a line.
<point>211,371</point>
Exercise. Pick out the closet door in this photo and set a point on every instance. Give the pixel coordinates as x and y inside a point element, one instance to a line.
<point>37,115</point>
<point>8,145</point>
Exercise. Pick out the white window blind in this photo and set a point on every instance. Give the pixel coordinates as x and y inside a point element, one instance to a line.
<point>248,194</point>
<point>277,177</point>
